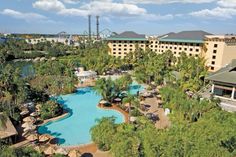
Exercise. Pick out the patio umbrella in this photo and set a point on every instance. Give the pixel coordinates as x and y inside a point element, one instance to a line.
<point>74,153</point>
<point>117,99</point>
<point>32,137</point>
<point>49,151</point>
<point>34,114</point>
<point>103,102</point>
<point>29,119</point>
<point>44,138</point>
<point>24,112</point>
<point>27,124</point>
<point>30,128</point>
<point>142,102</point>
<point>160,101</point>
<point>132,119</point>
<point>61,151</point>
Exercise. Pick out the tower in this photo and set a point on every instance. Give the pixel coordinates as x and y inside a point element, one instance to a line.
<point>97,17</point>
<point>89,27</point>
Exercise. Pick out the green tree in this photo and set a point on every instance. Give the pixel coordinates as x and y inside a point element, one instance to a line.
<point>103,133</point>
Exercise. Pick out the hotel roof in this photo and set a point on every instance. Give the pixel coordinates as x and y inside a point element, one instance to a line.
<point>128,35</point>
<point>185,36</point>
<point>226,74</point>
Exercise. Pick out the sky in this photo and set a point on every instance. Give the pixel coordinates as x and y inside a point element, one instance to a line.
<point>151,17</point>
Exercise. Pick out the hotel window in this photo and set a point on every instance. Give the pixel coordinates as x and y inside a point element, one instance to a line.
<point>125,41</point>
<point>162,47</point>
<point>114,53</point>
<point>151,45</point>
<point>162,51</point>
<point>141,45</point>
<point>197,45</point>
<point>119,49</point>
<point>125,45</point>
<point>191,44</point>
<point>214,51</point>
<point>175,48</point>
<point>141,41</point>
<point>156,42</point>
<point>213,62</point>
<point>213,57</point>
<point>215,45</point>
<point>114,49</point>
<point>125,53</point>
<point>196,55</point>
<point>156,46</point>
<point>191,49</point>
<point>131,49</point>
<point>185,44</point>
<point>190,54</point>
<point>130,41</point>
<point>212,68</point>
<point>151,42</point>
<point>166,47</point>
<point>119,41</point>
<point>136,41</point>
<point>174,52</point>
<point>185,49</point>
<point>197,50</point>
<point>119,53</point>
<point>170,47</point>
<point>130,45</point>
<point>125,49</point>
<point>180,48</point>
<point>114,45</point>
<point>119,45</point>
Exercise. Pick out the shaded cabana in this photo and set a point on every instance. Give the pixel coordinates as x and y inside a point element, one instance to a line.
<point>7,129</point>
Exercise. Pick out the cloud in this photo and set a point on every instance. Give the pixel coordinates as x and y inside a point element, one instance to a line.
<point>71,1</point>
<point>24,16</point>
<point>227,3</point>
<point>49,5</point>
<point>106,8</point>
<point>165,1</point>
<point>218,12</point>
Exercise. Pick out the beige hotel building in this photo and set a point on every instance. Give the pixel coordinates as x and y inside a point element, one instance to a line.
<point>217,50</point>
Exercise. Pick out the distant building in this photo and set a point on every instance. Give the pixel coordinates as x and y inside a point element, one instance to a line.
<point>122,44</point>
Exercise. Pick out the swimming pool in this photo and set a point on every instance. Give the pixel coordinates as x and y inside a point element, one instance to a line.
<point>73,129</point>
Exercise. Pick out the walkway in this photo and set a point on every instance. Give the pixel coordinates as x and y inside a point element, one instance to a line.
<point>163,121</point>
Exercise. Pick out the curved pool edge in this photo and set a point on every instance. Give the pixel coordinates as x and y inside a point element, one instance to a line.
<point>66,114</point>
<point>117,109</point>
<point>54,119</point>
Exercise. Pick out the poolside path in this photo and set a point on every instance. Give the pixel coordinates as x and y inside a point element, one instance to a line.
<point>163,121</point>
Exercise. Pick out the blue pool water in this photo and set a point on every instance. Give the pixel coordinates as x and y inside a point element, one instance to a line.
<point>83,112</point>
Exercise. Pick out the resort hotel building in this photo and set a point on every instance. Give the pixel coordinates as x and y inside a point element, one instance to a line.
<point>218,50</point>
<point>122,44</point>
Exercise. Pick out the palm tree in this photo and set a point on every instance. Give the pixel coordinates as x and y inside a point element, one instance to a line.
<point>132,101</point>
<point>105,88</point>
